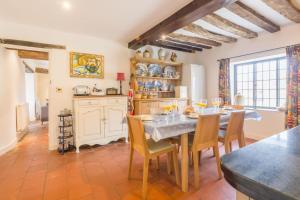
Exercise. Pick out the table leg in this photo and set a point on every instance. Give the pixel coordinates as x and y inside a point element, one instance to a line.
<point>184,163</point>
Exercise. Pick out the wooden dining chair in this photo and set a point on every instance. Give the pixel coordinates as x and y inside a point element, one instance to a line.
<point>149,149</point>
<point>233,131</point>
<point>206,136</point>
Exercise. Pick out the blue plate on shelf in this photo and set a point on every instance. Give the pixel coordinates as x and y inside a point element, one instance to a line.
<point>141,69</point>
<point>154,70</point>
<point>157,84</point>
<point>149,85</point>
<point>170,71</point>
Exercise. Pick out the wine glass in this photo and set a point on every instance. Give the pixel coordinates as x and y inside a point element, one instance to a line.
<point>216,102</point>
<point>202,104</point>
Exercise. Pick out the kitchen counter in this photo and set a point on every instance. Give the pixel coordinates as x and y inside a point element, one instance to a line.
<point>268,169</point>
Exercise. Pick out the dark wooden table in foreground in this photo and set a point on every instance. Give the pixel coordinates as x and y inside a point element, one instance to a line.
<point>268,169</point>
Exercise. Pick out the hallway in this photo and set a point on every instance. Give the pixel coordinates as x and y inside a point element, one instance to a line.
<point>31,172</point>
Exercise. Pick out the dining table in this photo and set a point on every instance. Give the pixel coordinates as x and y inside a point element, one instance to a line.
<point>161,127</point>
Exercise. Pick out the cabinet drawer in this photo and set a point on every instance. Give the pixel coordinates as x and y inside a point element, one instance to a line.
<point>117,101</point>
<point>88,102</point>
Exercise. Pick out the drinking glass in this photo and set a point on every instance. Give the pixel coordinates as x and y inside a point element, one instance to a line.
<point>202,104</point>
<point>216,102</point>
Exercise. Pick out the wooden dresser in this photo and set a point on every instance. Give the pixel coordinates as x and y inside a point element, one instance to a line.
<point>99,120</point>
<point>143,106</point>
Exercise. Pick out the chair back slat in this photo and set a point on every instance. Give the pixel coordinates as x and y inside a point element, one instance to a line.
<point>235,125</point>
<point>206,133</point>
<point>137,134</point>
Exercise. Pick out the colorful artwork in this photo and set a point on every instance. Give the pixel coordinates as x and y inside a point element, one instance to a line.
<point>84,65</point>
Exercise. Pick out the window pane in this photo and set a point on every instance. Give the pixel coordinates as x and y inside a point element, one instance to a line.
<point>282,74</point>
<point>273,65</point>
<point>266,84</point>
<point>259,76</point>
<point>273,94</point>
<point>282,64</point>
<point>273,84</point>
<point>272,74</point>
<point>282,102</point>
<point>273,103</point>
<point>259,103</point>
<point>283,93</point>
<point>266,66</point>
<point>282,84</point>
<point>266,75</point>
<point>239,70</point>
<point>266,94</point>
<point>259,67</point>
<point>259,94</point>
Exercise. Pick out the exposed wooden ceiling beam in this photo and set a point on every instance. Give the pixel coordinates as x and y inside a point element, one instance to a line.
<point>37,55</point>
<point>285,8</point>
<point>252,16</point>
<point>185,16</point>
<point>173,47</point>
<point>199,30</point>
<point>31,44</point>
<point>196,40</point>
<point>188,43</point>
<point>41,70</point>
<point>229,26</point>
<point>180,45</point>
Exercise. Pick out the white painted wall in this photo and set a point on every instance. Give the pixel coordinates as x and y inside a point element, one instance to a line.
<point>30,94</point>
<point>12,93</point>
<point>116,59</point>
<point>42,82</point>
<point>272,122</point>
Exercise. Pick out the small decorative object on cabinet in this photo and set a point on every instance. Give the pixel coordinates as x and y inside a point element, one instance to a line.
<point>120,77</point>
<point>99,120</point>
<point>111,91</point>
<point>65,138</point>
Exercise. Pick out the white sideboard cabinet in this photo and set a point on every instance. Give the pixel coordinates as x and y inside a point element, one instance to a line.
<point>99,120</point>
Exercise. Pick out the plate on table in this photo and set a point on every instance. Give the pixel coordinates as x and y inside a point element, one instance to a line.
<point>146,117</point>
<point>154,70</point>
<point>193,115</point>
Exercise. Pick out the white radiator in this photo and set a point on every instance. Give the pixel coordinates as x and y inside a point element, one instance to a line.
<point>22,117</point>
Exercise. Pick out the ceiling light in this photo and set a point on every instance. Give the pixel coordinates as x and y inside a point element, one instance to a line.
<point>66,5</point>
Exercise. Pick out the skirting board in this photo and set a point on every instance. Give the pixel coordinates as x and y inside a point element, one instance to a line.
<point>8,147</point>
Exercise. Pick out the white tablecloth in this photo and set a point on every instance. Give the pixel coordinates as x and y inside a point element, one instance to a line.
<point>167,126</point>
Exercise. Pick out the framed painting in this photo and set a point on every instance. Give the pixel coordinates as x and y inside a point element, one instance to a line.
<point>83,65</point>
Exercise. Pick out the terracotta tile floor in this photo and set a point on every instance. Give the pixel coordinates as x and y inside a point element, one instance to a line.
<point>32,172</point>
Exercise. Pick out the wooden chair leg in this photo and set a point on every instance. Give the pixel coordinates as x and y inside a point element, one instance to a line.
<point>191,158</point>
<point>157,162</point>
<point>227,147</point>
<point>199,157</point>
<point>130,162</point>
<point>145,177</point>
<point>176,167</point>
<point>214,152</point>
<point>196,168</point>
<point>169,165</point>
<point>217,155</point>
<point>230,146</point>
<point>241,140</point>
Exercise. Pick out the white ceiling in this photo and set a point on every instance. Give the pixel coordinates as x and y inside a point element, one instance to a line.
<point>121,20</point>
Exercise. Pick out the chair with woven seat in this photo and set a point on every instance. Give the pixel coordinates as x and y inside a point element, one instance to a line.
<point>206,136</point>
<point>149,149</point>
<point>233,131</point>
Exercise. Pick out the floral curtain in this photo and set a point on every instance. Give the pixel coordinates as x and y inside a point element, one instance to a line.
<point>224,81</point>
<point>293,86</point>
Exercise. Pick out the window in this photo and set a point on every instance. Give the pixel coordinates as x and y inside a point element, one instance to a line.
<point>262,83</point>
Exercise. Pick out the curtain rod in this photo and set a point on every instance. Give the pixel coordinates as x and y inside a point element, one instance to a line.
<point>260,51</point>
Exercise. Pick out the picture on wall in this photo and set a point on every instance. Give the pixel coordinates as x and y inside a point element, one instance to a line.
<point>83,65</point>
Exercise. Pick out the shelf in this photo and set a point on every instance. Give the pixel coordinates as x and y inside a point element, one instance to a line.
<point>64,115</point>
<point>66,126</point>
<point>64,137</point>
<point>155,61</point>
<point>159,78</point>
